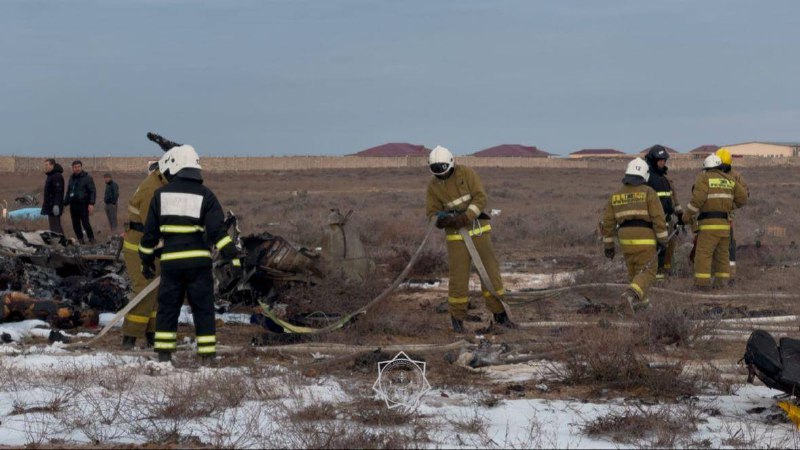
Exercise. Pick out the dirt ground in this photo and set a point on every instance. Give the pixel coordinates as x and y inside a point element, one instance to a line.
<point>547,224</point>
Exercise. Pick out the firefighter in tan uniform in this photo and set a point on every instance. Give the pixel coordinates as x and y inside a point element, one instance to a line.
<point>715,195</point>
<point>456,195</point>
<point>727,161</point>
<point>634,214</point>
<point>140,322</point>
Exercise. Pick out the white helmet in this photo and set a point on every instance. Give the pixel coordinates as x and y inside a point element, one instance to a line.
<point>638,167</point>
<point>161,165</point>
<point>712,161</point>
<point>177,159</point>
<point>440,161</point>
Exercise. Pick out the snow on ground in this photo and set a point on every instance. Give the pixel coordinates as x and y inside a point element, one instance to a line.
<point>44,399</point>
<point>185,317</point>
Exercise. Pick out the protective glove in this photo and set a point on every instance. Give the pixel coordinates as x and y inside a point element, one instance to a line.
<point>442,219</point>
<point>56,210</point>
<point>148,269</point>
<point>460,220</point>
<point>609,252</point>
<point>686,218</point>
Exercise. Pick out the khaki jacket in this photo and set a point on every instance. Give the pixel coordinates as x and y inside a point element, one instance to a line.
<point>138,206</point>
<point>715,191</point>
<point>463,192</point>
<point>634,203</point>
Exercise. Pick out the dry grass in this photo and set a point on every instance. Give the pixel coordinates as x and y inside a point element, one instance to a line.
<point>613,358</point>
<point>659,427</point>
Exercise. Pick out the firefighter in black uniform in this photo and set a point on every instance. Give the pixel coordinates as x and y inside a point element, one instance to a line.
<point>187,216</point>
<point>656,159</point>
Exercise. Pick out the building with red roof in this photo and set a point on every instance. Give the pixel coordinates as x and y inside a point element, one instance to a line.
<point>396,149</point>
<point>512,150</point>
<point>597,153</point>
<point>704,150</point>
<point>670,150</point>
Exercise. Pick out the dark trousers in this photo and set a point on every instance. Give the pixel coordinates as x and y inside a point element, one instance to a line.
<point>80,216</point>
<point>198,286</point>
<point>55,224</point>
<point>111,214</point>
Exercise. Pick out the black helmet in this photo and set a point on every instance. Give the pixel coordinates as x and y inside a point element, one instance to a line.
<point>655,153</point>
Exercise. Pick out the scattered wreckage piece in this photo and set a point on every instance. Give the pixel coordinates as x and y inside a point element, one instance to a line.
<point>17,306</point>
<point>342,249</point>
<point>45,277</point>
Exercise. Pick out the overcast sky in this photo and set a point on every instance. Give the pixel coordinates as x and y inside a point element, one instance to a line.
<point>334,77</point>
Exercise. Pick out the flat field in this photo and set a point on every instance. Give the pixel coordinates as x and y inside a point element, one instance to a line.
<point>545,235</point>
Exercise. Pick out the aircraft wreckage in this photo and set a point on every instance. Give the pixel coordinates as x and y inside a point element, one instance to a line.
<point>45,276</point>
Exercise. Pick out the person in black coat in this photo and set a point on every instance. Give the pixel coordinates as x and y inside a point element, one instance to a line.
<point>53,196</point>
<point>110,198</point>
<point>81,195</point>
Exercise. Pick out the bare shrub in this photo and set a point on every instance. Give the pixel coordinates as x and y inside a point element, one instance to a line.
<point>374,413</point>
<point>432,260</point>
<point>747,435</point>
<point>663,427</point>
<point>246,427</point>
<point>611,359</point>
<point>40,428</point>
<point>667,323</point>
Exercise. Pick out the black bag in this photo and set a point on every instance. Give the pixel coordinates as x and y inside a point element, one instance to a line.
<point>790,358</point>
<point>763,359</point>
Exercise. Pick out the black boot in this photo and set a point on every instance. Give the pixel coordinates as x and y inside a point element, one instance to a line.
<point>164,356</point>
<point>128,342</point>
<point>503,319</point>
<point>151,339</point>
<point>458,324</point>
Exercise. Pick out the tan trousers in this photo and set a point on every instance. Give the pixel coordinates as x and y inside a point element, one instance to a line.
<point>642,263</point>
<point>459,262</point>
<point>142,318</point>
<point>711,258</point>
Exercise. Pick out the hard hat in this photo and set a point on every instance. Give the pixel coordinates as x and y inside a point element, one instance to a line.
<point>162,162</point>
<point>724,156</point>
<point>638,167</point>
<point>440,161</point>
<point>179,158</point>
<point>711,162</point>
<point>655,153</point>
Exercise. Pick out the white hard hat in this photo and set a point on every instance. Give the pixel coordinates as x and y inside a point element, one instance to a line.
<point>179,158</point>
<point>440,160</point>
<point>162,162</point>
<point>638,167</point>
<point>712,161</point>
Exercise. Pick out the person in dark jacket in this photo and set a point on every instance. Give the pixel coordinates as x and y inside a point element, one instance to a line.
<point>188,217</point>
<point>656,159</point>
<point>81,195</point>
<point>53,196</point>
<point>110,198</point>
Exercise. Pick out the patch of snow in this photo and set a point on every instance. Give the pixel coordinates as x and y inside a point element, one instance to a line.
<point>24,329</point>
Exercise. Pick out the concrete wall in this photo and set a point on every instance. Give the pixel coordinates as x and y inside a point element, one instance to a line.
<point>260,164</point>
<point>762,150</point>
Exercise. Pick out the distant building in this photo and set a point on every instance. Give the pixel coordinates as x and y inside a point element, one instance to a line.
<point>396,149</point>
<point>670,150</point>
<point>765,149</point>
<point>512,150</point>
<point>597,153</point>
<point>704,150</point>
